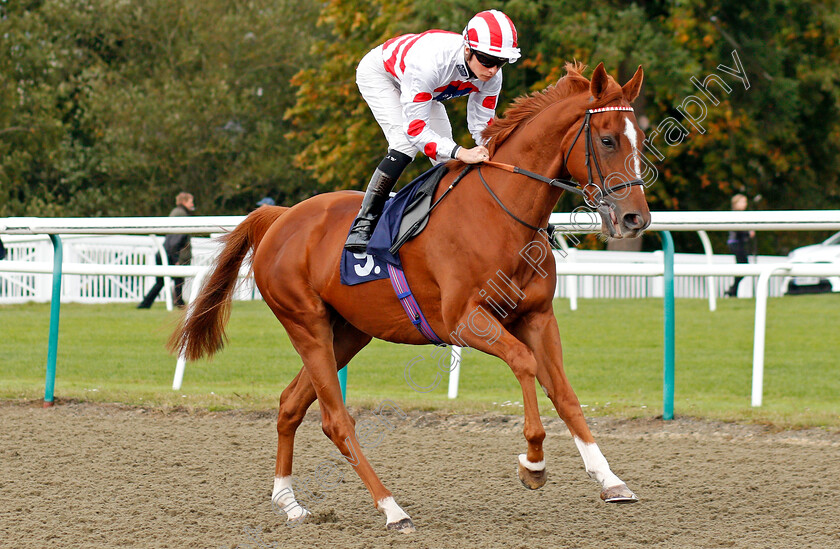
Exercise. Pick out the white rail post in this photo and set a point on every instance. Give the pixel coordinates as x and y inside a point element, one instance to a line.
<point>167,281</point>
<point>762,289</point>
<point>572,282</point>
<point>454,371</point>
<point>563,253</point>
<point>711,285</point>
<point>558,255</point>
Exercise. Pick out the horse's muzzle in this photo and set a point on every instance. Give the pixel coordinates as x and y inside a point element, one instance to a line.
<point>618,224</point>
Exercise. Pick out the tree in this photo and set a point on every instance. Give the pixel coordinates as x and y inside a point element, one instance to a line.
<point>338,139</point>
<point>125,104</point>
<point>776,139</point>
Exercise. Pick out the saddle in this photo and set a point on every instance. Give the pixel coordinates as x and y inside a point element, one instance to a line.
<point>415,217</point>
<point>405,216</point>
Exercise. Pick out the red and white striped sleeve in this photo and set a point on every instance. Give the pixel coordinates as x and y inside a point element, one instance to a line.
<point>481,107</point>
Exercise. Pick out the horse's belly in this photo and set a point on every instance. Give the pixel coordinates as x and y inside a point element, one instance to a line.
<point>373,308</point>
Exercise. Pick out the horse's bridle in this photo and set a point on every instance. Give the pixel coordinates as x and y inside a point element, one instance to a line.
<point>601,204</point>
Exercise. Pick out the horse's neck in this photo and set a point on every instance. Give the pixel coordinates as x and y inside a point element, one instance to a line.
<point>536,147</point>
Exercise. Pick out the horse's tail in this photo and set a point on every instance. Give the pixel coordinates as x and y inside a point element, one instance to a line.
<point>201,331</point>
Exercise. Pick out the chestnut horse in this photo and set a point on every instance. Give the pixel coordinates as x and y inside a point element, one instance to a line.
<point>473,235</point>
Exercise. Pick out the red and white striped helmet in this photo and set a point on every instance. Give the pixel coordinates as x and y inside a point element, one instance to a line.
<point>492,32</point>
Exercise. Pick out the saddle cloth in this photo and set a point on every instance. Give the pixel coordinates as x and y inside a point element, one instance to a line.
<point>403,218</point>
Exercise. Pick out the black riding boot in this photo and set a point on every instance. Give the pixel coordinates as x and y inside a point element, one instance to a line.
<point>375,197</point>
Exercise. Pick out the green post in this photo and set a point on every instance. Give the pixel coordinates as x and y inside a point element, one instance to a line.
<point>668,320</point>
<point>342,380</point>
<point>55,305</point>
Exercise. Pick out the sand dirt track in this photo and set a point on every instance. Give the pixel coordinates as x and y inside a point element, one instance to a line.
<point>82,475</point>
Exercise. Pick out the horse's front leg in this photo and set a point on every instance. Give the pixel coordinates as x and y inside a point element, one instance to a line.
<point>539,331</point>
<point>501,343</point>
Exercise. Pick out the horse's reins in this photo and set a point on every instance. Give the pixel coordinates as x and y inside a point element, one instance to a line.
<point>570,185</point>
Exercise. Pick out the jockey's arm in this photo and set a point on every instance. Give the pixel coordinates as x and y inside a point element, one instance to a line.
<point>481,107</point>
<point>416,99</point>
<point>437,147</point>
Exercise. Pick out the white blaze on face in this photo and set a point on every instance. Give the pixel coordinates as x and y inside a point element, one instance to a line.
<point>633,138</point>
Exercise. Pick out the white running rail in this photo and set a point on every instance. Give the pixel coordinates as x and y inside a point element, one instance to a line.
<point>569,223</point>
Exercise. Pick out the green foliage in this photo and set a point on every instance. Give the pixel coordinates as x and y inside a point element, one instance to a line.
<point>111,108</point>
<point>339,142</point>
<point>779,139</point>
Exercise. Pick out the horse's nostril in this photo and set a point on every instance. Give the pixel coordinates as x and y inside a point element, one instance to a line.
<point>634,221</point>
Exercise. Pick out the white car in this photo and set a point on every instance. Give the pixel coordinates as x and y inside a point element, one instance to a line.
<point>827,251</point>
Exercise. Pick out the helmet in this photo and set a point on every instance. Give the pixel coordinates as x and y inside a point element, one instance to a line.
<point>492,32</point>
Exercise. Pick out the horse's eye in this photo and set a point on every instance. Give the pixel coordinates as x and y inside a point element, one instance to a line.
<point>608,142</point>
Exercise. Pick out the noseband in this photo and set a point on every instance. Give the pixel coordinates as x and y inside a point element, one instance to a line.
<point>602,205</point>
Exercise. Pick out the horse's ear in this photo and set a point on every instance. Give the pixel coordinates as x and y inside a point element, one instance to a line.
<point>632,87</point>
<point>599,81</point>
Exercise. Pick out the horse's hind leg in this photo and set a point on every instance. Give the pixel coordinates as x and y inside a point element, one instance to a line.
<point>294,402</point>
<point>540,333</point>
<point>309,328</point>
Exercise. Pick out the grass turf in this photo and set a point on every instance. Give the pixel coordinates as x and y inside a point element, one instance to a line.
<point>612,353</point>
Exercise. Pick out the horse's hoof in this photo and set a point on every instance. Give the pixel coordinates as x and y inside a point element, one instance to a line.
<point>619,494</point>
<point>298,520</point>
<point>532,480</point>
<point>405,526</point>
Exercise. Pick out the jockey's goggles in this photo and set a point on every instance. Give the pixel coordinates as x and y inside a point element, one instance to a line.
<point>488,60</point>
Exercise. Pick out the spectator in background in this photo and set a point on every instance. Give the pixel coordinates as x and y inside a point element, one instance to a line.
<point>2,250</point>
<point>178,252</point>
<point>739,242</point>
<point>267,201</point>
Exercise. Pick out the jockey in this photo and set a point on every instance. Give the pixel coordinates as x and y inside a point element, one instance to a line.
<point>404,81</point>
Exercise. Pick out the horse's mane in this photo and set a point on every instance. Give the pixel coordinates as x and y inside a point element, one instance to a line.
<point>525,107</point>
